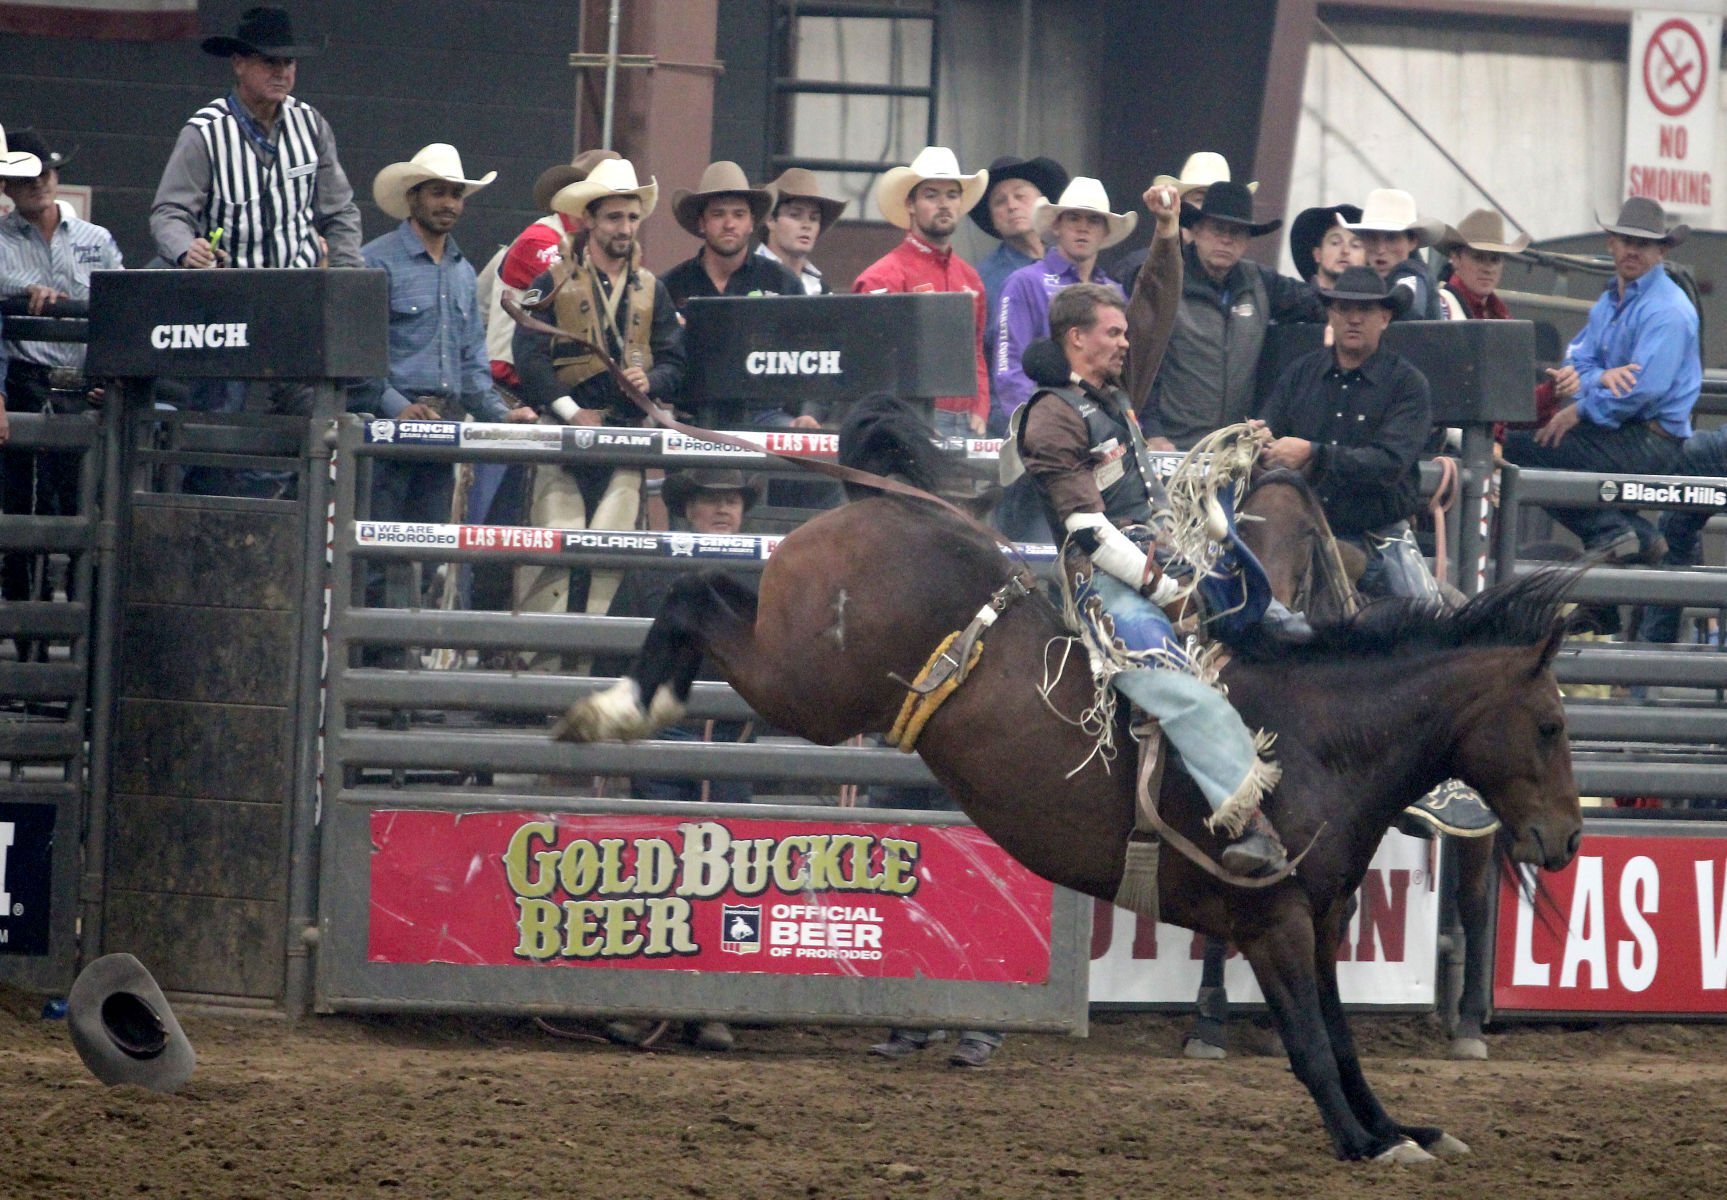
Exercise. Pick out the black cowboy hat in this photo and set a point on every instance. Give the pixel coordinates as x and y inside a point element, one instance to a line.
<point>1308,230</point>
<point>681,487</point>
<point>1231,202</point>
<point>28,141</point>
<point>265,31</point>
<point>123,1029</point>
<point>1044,174</point>
<point>1364,284</point>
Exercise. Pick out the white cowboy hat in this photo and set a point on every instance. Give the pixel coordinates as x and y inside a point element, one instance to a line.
<point>1202,169</point>
<point>438,161</point>
<point>1083,195</point>
<point>932,162</point>
<point>1389,210</point>
<point>613,177</point>
<point>17,165</point>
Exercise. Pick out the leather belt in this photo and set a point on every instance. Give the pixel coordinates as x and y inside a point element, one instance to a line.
<point>1657,427</point>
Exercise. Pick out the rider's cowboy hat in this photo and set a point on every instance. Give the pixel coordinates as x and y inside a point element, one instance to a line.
<point>613,177</point>
<point>1389,210</point>
<point>28,141</point>
<point>555,179</point>
<point>932,164</point>
<point>1364,284</point>
<point>1085,195</point>
<point>266,31</point>
<point>681,487</point>
<point>1307,233</point>
<point>17,164</point>
<point>796,183</point>
<point>438,161</point>
<point>1642,217</point>
<point>1202,169</point>
<point>1482,230</point>
<point>1230,203</point>
<point>1044,174</point>
<point>721,178</point>
<point>123,1029</point>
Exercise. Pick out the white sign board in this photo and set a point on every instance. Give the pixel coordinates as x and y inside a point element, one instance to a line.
<point>1672,94</point>
<point>1389,956</point>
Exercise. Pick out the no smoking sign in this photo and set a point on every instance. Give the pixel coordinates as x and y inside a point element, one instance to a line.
<point>1670,110</point>
<point>1675,67</point>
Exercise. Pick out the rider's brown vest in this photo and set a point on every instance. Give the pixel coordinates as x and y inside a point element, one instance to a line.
<point>578,309</point>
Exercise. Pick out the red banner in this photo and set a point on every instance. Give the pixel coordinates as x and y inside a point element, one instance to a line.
<point>136,20</point>
<point>656,892</point>
<point>1636,925</point>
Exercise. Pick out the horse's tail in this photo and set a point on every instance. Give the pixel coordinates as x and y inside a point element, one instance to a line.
<point>888,436</point>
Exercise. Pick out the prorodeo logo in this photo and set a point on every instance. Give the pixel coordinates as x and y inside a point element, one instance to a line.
<point>219,335</point>
<point>1609,490</point>
<point>741,929</point>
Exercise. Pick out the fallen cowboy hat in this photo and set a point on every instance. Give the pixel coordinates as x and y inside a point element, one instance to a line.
<point>611,177</point>
<point>1307,233</point>
<point>721,178</point>
<point>1364,284</point>
<point>1482,230</point>
<point>438,161</point>
<point>681,487</point>
<point>17,164</point>
<point>1044,174</point>
<point>123,1028</point>
<point>932,164</point>
<point>1084,195</point>
<point>1231,203</point>
<point>1389,210</point>
<point>28,141</point>
<point>1641,217</point>
<point>795,183</point>
<point>555,179</point>
<point>265,31</point>
<point>1202,169</point>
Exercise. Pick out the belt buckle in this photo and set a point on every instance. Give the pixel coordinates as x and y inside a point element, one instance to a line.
<point>65,379</point>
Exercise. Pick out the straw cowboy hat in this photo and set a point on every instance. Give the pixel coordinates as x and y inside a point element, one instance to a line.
<point>1641,217</point>
<point>1482,230</point>
<point>1085,195</point>
<point>1389,210</point>
<point>266,31</point>
<point>1364,284</point>
<point>555,179</point>
<point>1044,174</point>
<point>681,487</point>
<point>123,1029</point>
<point>1231,203</point>
<point>17,164</point>
<point>611,177</point>
<point>795,183</point>
<point>1202,169</point>
<point>933,163</point>
<point>721,178</point>
<point>438,161</point>
<point>1307,232</point>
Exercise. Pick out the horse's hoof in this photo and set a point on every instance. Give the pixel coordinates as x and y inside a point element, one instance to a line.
<point>612,715</point>
<point>1404,1154</point>
<point>1469,1049</point>
<point>1446,1146</point>
<point>1197,1047</point>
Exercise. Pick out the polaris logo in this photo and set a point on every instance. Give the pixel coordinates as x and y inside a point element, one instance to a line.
<point>793,362</point>
<point>216,336</point>
<point>8,832</point>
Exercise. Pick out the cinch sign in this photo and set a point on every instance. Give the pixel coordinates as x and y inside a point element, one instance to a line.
<point>1671,96</point>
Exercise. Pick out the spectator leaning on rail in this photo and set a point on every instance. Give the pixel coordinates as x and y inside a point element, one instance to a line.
<point>600,293</point>
<point>1322,247</point>
<point>1704,453</point>
<point>1392,232</point>
<point>798,214</point>
<point>927,198</point>
<point>1005,214</point>
<point>1637,371</point>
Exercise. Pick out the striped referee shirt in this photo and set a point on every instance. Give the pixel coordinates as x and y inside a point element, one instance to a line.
<point>62,262</point>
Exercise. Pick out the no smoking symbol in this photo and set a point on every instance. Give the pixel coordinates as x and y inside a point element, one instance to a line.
<point>1675,67</point>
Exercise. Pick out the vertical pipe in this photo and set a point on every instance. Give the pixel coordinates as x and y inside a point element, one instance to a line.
<point>1021,143</point>
<point>1471,544</point>
<point>611,74</point>
<point>1505,536</point>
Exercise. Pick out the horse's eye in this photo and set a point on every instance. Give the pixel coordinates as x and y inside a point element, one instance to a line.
<point>1550,730</point>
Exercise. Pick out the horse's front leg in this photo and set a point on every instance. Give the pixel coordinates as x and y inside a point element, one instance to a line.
<point>1475,878</point>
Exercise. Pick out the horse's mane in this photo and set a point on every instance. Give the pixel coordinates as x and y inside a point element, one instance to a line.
<point>888,436</point>
<point>1519,613</point>
<point>1294,479</point>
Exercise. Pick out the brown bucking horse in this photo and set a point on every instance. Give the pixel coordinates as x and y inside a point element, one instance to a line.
<point>1369,715</point>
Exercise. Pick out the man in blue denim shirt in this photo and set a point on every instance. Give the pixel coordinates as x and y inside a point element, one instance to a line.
<point>1637,370</point>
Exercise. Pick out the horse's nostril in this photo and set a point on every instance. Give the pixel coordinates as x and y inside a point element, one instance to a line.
<point>1576,841</point>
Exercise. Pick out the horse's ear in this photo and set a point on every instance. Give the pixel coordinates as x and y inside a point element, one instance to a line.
<point>1550,647</point>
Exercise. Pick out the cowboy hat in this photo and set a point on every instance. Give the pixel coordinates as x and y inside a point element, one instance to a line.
<point>1202,169</point>
<point>1641,217</point>
<point>1085,195</point>
<point>555,179</point>
<point>795,183</point>
<point>1228,202</point>
<point>265,31</point>
<point>1364,284</point>
<point>1482,230</point>
<point>681,487</point>
<point>932,163</point>
<point>721,178</point>
<point>438,161</point>
<point>28,141</point>
<point>123,1029</point>
<point>17,164</point>
<point>1044,174</point>
<point>1389,210</point>
<point>612,177</point>
<point>1307,233</point>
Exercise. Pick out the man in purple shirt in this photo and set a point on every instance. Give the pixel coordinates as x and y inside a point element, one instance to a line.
<point>1015,187</point>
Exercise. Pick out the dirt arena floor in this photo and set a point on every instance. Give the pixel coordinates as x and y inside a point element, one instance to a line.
<point>410,1107</point>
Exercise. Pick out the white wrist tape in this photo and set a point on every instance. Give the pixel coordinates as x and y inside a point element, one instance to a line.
<point>564,409</point>
<point>1115,553</point>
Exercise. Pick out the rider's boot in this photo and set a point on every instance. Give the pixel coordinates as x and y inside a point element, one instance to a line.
<point>1258,851</point>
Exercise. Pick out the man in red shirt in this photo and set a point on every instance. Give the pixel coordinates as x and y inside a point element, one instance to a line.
<point>927,199</point>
